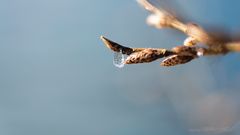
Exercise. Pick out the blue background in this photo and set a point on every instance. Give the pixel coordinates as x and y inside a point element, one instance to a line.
<point>57,77</point>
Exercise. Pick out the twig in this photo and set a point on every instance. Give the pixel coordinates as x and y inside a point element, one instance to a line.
<point>180,54</point>
<point>175,56</point>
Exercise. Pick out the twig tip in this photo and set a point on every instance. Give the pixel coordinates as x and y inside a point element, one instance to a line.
<point>106,41</point>
<point>102,37</point>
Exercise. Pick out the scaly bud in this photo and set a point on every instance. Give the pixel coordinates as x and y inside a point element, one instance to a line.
<point>147,55</point>
<point>185,51</point>
<point>176,60</point>
<point>158,20</point>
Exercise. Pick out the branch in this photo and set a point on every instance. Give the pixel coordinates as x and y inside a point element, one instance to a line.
<point>160,18</point>
<point>175,56</point>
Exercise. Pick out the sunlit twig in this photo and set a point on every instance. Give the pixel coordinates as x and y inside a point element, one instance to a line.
<point>160,18</point>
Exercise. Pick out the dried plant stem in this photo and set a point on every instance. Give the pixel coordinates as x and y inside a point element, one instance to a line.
<point>145,55</point>
<point>180,54</point>
<point>233,46</point>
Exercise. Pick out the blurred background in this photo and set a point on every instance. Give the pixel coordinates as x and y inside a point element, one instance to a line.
<point>57,77</point>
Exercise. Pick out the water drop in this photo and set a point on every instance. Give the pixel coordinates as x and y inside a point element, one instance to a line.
<point>118,59</point>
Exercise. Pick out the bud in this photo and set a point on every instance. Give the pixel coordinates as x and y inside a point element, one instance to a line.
<point>157,20</point>
<point>176,60</point>
<point>145,56</point>
<point>185,50</point>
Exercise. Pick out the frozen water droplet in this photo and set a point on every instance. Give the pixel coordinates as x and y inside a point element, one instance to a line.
<point>118,59</point>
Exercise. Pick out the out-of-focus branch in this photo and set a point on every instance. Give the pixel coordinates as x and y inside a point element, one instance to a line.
<point>233,46</point>
<point>160,18</point>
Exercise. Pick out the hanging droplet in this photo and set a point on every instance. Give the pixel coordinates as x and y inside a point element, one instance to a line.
<point>118,59</point>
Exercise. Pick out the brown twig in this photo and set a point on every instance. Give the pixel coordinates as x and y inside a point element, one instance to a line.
<point>183,54</point>
<point>180,54</point>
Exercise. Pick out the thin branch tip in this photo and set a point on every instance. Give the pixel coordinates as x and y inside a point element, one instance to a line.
<point>101,37</point>
<point>117,47</point>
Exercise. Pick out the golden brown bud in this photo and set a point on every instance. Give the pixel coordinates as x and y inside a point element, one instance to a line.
<point>185,51</point>
<point>176,60</point>
<point>146,55</point>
